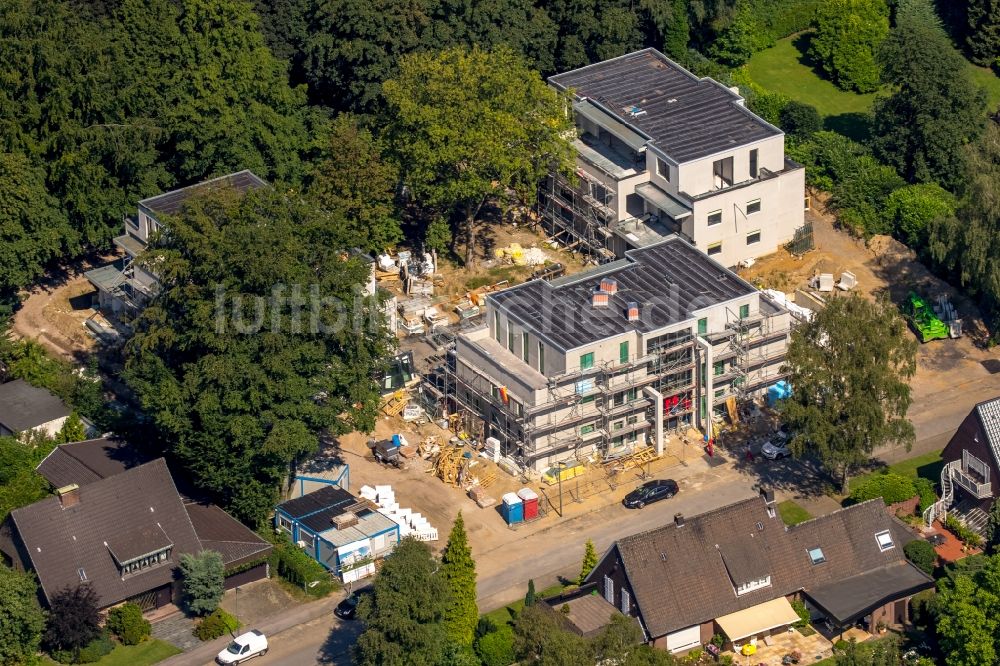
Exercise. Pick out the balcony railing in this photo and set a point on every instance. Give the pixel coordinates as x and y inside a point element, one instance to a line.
<point>979,490</point>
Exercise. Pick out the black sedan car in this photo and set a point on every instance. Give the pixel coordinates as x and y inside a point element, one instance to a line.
<point>348,608</point>
<point>649,492</point>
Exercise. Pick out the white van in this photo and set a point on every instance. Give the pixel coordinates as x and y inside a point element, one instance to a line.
<point>251,644</point>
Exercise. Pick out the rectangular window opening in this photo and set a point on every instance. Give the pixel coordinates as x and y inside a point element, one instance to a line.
<point>722,172</point>
<point>703,326</point>
<point>816,555</point>
<point>714,249</point>
<point>753,237</point>
<point>587,361</point>
<point>715,217</point>
<point>753,163</point>
<point>623,352</point>
<point>753,206</point>
<point>884,540</point>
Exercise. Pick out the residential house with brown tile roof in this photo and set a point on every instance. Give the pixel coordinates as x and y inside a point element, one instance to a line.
<point>24,407</point>
<point>122,532</point>
<point>735,570</point>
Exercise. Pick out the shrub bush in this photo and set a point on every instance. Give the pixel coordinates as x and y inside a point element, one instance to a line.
<point>299,569</point>
<point>922,555</point>
<point>841,645</point>
<point>217,624</point>
<point>127,623</point>
<point>890,487</point>
<point>967,536</point>
<point>800,120</point>
<point>93,651</point>
<point>63,656</point>
<point>497,647</point>
<point>800,609</point>
<point>925,488</point>
<point>922,608</point>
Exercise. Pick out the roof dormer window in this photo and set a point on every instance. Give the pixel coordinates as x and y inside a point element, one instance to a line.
<point>753,585</point>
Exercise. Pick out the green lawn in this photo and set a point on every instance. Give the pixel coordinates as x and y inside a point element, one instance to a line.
<point>143,654</point>
<point>785,68</point>
<point>927,466</point>
<point>792,513</point>
<point>506,614</point>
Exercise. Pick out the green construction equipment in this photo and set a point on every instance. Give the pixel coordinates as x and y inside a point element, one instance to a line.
<point>924,321</point>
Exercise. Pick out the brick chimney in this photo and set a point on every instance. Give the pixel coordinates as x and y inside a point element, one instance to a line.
<point>69,496</point>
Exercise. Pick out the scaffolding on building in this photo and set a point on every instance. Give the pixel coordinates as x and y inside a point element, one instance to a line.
<point>578,215</point>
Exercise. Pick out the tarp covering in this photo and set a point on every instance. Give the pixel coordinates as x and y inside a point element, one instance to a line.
<point>758,619</point>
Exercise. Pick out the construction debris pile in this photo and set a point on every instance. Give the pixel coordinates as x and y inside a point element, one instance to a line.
<point>457,466</point>
<point>521,256</point>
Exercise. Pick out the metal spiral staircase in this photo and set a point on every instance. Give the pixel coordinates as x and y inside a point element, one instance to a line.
<point>939,510</point>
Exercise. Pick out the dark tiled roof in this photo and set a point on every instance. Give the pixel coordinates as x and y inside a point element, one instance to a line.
<point>138,542</point>
<point>61,542</point>
<point>688,118</point>
<point>669,281</point>
<point>170,203</point>
<point>88,461</point>
<point>588,614</point>
<point>23,406</point>
<point>220,532</point>
<point>679,575</point>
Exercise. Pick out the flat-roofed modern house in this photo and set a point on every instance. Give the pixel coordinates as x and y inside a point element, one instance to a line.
<point>661,151</point>
<point>24,407</point>
<point>124,288</point>
<point>734,571</point>
<point>971,468</point>
<point>609,359</point>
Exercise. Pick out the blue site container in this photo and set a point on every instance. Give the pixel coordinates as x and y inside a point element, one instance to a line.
<point>779,391</point>
<point>512,508</point>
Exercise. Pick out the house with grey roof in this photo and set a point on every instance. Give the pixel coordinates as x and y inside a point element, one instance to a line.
<point>734,571</point>
<point>660,151</point>
<point>124,288</point>
<point>24,407</point>
<point>971,467</point>
<point>614,358</point>
<point>120,526</point>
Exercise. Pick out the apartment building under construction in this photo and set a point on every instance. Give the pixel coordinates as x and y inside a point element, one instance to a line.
<point>660,151</point>
<point>610,359</point>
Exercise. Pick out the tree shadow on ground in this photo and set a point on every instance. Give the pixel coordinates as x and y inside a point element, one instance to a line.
<point>854,125</point>
<point>336,649</point>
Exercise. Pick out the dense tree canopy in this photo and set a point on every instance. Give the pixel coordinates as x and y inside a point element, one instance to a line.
<point>934,109</point>
<point>74,619</point>
<point>850,366</point>
<point>258,341</point>
<point>968,607</point>
<point>21,619</point>
<point>984,31</point>
<point>848,33</point>
<point>471,128</point>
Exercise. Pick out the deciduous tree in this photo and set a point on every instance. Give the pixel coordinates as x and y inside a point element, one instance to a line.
<point>849,368</point>
<point>74,619</point>
<point>474,127</point>
<point>912,208</point>
<point>260,339</point>
<point>354,182</point>
<point>203,578</point>
<point>539,640</point>
<point>984,31</point>
<point>404,618</point>
<point>459,572</point>
<point>848,33</point>
<point>934,109</point>
<point>22,621</point>
<point>744,36</point>
<point>967,622</point>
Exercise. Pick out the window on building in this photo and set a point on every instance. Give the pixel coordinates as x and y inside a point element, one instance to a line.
<point>753,163</point>
<point>617,425</point>
<point>884,540</point>
<point>589,399</point>
<point>633,419</point>
<point>718,368</point>
<point>753,237</point>
<point>83,574</point>
<point>626,602</point>
<point>524,346</point>
<point>816,555</point>
<point>609,590</point>
<point>511,337</point>
<point>753,585</point>
<point>541,357</point>
<point>284,523</point>
<point>587,361</point>
<point>516,407</point>
<point>496,326</point>
<point>744,311</point>
<point>663,169</point>
<point>720,392</point>
<point>623,352</point>
<point>714,249</point>
<point>714,218</point>
<point>722,172</point>
<point>703,326</point>
<point>619,399</point>
<point>146,561</point>
<point>753,206</point>
<point>632,394</point>
<point>587,428</point>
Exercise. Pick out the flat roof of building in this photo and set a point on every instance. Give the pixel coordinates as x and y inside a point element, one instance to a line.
<point>687,117</point>
<point>669,281</point>
<point>169,203</point>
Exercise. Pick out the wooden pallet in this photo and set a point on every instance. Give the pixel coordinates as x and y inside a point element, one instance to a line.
<point>395,405</point>
<point>488,480</point>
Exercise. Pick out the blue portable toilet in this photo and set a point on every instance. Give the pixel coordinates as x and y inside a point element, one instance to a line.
<point>512,508</point>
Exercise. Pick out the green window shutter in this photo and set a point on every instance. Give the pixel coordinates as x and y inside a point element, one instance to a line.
<point>623,352</point>
<point>703,326</point>
<point>587,361</point>
<point>719,367</point>
<point>744,311</point>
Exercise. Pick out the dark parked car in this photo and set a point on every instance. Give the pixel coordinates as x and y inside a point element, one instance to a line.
<point>348,608</point>
<point>649,492</point>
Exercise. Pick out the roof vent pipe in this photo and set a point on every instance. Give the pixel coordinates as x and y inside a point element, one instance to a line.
<point>600,299</point>
<point>632,314</point>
